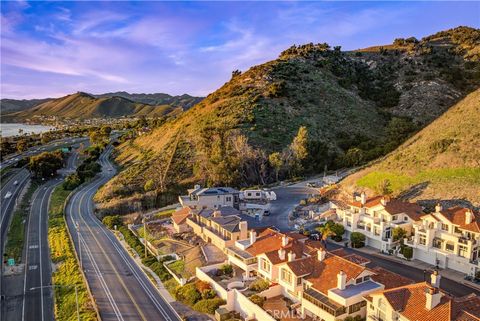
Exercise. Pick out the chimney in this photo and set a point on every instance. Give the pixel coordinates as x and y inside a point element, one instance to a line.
<point>291,256</point>
<point>321,254</point>
<point>435,279</point>
<point>217,213</point>
<point>281,254</point>
<point>243,227</point>
<point>284,240</point>
<point>341,280</point>
<point>433,297</point>
<point>384,200</point>
<point>438,208</point>
<point>363,198</point>
<point>468,217</point>
<point>253,237</point>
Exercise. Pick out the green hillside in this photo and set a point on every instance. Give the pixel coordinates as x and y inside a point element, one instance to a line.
<point>442,161</point>
<point>356,107</point>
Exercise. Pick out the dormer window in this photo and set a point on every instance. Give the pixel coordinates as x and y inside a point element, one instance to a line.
<point>444,227</point>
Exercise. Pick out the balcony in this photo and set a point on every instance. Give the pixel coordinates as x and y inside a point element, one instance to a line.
<point>323,302</point>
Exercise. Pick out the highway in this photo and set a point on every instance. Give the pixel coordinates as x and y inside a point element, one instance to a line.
<point>28,296</point>
<point>120,288</point>
<point>6,210</point>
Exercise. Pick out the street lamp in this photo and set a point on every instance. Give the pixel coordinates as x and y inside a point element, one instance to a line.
<point>60,286</point>
<point>144,221</point>
<point>77,227</point>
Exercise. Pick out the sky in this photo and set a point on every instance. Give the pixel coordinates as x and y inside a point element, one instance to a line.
<point>50,49</point>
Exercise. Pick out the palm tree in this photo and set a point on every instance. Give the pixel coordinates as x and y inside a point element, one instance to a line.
<point>326,232</point>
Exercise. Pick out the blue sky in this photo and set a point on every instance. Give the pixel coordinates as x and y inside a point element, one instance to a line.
<point>50,49</point>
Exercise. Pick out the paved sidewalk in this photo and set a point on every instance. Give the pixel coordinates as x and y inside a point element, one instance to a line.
<point>446,273</point>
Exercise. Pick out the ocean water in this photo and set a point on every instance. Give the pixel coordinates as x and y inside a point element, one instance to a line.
<point>13,129</point>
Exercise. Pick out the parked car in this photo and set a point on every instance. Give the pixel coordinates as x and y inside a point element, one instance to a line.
<point>15,183</point>
<point>8,195</point>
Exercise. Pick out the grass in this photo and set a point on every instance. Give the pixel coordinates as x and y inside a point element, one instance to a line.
<point>16,232</point>
<point>178,267</point>
<point>164,214</point>
<point>67,273</point>
<point>400,182</point>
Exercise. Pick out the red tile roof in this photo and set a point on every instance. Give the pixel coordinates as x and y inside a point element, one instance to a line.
<point>323,274</point>
<point>457,216</point>
<point>181,215</point>
<point>393,206</point>
<point>389,279</point>
<point>410,301</point>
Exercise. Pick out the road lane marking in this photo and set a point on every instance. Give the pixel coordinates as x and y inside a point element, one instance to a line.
<point>33,246</point>
<point>32,267</point>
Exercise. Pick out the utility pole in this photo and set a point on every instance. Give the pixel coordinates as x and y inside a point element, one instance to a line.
<point>76,299</point>
<point>145,235</point>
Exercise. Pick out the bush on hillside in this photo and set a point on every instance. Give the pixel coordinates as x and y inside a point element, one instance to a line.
<point>258,300</point>
<point>259,285</point>
<point>111,221</point>
<point>188,294</point>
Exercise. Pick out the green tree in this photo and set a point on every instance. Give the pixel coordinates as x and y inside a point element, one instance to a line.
<point>106,130</point>
<point>407,252</point>
<point>72,181</point>
<point>22,145</point>
<point>112,220</point>
<point>299,144</point>
<point>357,239</point>
<point>326,231</point>
<point>149,185</point>
<point>384,187</point>
<point>354,157</point>
<point>337,229</point>
<point>276,161</point>
<point>398,233</point>
<point>46,164</point>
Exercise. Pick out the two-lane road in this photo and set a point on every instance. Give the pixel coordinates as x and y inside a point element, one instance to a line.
<point>38,299</point>
<point>121,289</point>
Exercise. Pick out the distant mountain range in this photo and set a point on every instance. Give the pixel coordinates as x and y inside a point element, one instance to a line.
<point>83,105</point>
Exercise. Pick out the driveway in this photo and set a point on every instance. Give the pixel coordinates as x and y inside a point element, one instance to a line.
<point>287,198</point>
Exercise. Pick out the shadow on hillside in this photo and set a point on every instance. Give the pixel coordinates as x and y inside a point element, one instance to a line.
<point>414,191</point>
<point>429,204</point>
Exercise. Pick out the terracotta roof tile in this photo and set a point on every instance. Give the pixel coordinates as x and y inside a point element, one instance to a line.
<point>389,279</point>
<point>181,215</point>
<point>457,216</point>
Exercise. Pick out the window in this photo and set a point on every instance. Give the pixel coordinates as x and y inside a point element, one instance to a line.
<point>405,218</point>
<point>457,230</point>
<point>444,227</point>
<point>450,246</point>
<point>437,243</point>
<point>265,265</point>
<point>286,276</point>
<point>422,240</point>
<point>463,250</point>
<point>228,198</point>
<point>394,217</point>
<point>357,306</point>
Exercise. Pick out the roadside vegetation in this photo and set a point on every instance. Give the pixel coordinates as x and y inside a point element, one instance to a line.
<point>16,233</point>
<point>66,275</point>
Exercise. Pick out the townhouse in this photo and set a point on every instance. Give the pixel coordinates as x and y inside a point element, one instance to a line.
<point>448,238</point>
<point>421,301</point>
<point>222,226</point>
<point>322,285</point>
<point>376,218</point>
<point>213,197</point>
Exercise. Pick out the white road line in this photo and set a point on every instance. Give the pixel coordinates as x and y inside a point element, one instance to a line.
<point>104,285</point>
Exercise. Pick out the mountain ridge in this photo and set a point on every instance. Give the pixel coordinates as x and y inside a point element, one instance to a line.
<point>356,107</point>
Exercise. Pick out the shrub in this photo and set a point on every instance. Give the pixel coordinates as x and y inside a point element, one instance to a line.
<point>202,286</point>
<point>357,239</point>
<point>71,182</point>
<point>188,294</point>
<point>258,300</point>
<point>112,220</point>
<point>226,269</point>
<point>208,294</point>
<point>208,306</point>
<point>407,252</point>
<point>398,233</point>
<point>259,285</point>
